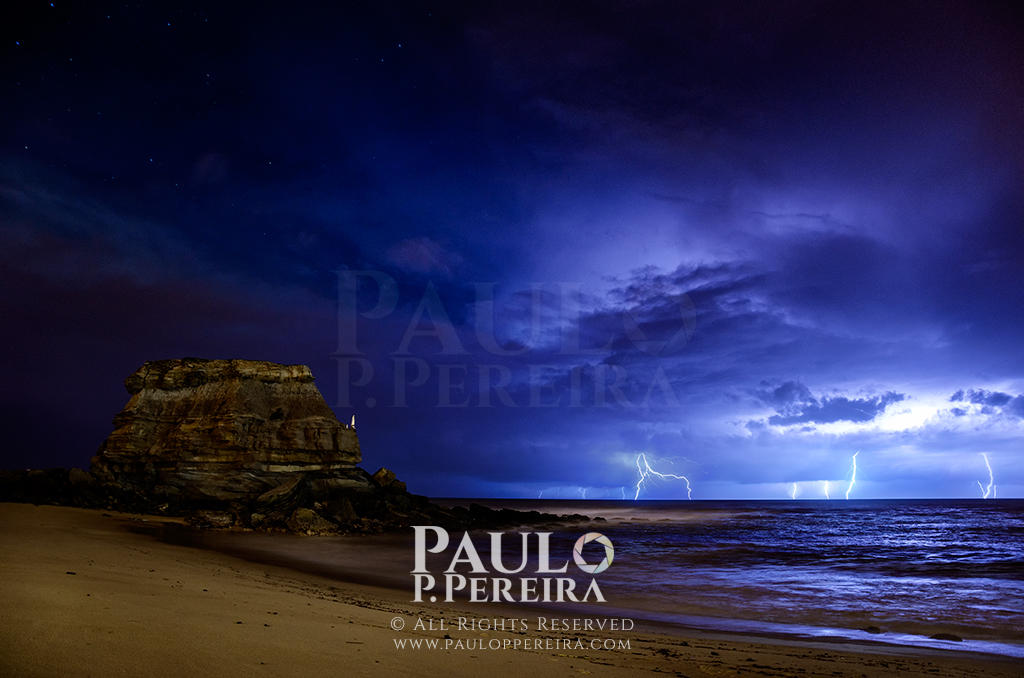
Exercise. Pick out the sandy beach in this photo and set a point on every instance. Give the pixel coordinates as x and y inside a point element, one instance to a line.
<point>87,593</point>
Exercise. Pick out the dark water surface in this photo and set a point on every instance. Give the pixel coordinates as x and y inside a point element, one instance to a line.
<point>897,571</point>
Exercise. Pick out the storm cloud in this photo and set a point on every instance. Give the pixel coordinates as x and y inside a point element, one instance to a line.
<point>796,405</point>
<point>719,235</point>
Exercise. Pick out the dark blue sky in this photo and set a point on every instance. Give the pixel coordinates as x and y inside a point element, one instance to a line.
<point>746,240</point>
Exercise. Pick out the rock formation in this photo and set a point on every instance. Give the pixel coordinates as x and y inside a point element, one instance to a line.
<point>242,443</point>
<point>214,431</point>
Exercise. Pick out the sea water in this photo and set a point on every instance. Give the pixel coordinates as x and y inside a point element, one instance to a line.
<point>895,571</point>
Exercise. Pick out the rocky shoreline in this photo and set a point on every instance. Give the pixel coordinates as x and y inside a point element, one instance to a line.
<point>243,444</point>
<point>297,507</point>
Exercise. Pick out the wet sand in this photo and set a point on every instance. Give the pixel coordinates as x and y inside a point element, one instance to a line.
<point>89,593</point>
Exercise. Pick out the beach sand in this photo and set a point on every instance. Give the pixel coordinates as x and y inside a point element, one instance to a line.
<point>86,593</point>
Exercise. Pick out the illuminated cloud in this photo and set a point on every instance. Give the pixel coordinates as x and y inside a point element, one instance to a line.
<point>795,404</point>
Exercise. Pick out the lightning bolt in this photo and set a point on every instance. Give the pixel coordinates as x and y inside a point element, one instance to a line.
<point>792,491</point>
<point>853,474</point>
<point>623,490</point>
<point>986,491</point>
<point>825,488</point>
<point>583,492</point>
<point>645,470</point>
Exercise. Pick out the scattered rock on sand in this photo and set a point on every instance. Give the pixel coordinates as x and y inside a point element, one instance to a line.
<point>309,522</point>
<point>219,519</point>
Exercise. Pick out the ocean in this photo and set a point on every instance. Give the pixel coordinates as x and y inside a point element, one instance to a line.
<point>886,570</point>
<point>894,571</point>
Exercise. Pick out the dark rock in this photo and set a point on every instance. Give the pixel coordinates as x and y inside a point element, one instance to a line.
<point>79,478</point>
<point>307,521</point>
<point>384,477</point>
<point>287,494</point>
<point>871,629</point>
<point>215,519</point>
<point>342,512</point>
<point>50,486</point>
<point>354,480</point>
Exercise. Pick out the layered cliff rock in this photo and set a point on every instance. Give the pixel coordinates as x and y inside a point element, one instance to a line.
<point>214,431</point>
<point>242,443</point>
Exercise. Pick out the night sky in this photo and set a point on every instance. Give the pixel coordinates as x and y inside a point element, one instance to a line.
<point>746,240</point>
